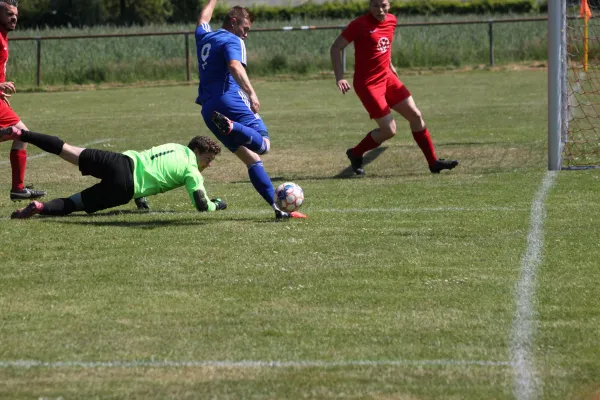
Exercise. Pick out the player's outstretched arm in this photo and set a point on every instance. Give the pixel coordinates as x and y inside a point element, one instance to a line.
<point>202,202</point>
<point>238,72</point>
<point>336,61</point>
<point>207,12</point>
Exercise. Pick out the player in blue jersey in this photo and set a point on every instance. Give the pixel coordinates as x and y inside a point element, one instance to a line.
<point>229,103</point>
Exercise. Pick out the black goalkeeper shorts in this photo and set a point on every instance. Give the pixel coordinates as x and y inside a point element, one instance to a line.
<point>115,171</point>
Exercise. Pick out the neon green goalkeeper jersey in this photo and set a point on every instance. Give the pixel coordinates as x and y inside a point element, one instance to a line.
<point>164,168</point>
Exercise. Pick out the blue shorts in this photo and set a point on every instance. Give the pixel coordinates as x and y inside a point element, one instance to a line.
<point>236,107</point>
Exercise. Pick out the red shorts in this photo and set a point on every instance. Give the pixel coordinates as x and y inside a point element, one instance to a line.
<point>7,116</point>
<point>378,98</point>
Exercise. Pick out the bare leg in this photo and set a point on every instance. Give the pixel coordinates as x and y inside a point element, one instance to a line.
<point>386,129</point>
<point>247,156</point>
<point>71,153</point>
<point>16,145</point>
<point>408,109</point>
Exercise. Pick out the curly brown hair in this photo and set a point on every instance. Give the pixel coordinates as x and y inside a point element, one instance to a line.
<point>204,145</point>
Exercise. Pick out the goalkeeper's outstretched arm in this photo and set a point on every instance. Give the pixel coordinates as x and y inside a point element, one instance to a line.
<point>207,12</point>
<point>203,204</point>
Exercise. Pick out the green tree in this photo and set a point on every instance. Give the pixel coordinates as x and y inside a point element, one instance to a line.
<point>185,11</point>
<point>140,12</point>
<point>39,13</point>
<point>32,11</point>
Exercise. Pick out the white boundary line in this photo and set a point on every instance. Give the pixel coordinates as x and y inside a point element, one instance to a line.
<point>526,383</point>
<point>404,210</point>
<point>45,154</point>
<point>244,363</point>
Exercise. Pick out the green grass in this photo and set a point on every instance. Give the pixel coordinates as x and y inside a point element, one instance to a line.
<point>132,59</point>
<point>401,265</point>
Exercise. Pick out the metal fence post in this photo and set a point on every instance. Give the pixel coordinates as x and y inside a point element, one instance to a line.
<point>491,37</point>
<point>187,55</point>
<point>39,61</point>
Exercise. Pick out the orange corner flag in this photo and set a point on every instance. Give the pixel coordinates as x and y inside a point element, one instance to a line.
<point>584,9</point>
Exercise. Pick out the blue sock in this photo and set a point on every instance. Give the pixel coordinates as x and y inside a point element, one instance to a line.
<point>249,138</point>
<point>261,182</point>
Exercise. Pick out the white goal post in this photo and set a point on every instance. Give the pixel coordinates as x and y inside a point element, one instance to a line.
<point>556,42</point>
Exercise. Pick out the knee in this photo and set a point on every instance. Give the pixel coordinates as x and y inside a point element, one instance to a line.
<point>388,132</point>
<point>415,116</point>
<point>388,135</point>
<point>266,147</point>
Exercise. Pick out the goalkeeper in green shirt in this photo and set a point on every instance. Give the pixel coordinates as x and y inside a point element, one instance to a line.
<point>124,176</point>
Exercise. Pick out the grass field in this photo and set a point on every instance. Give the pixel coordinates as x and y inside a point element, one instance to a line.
<point>480,283</point>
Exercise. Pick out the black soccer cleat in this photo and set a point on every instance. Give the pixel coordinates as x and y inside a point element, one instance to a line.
<point>142,203</point>
<point>282,215</point>
<point>26,194</point>
<point>223,123</point>
<point>441,164</point>
<point>356,162</point>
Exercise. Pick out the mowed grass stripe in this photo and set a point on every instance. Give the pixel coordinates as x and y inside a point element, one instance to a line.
<point>244,363</point>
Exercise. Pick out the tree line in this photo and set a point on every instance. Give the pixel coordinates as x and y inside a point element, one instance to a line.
<point>80,13</point>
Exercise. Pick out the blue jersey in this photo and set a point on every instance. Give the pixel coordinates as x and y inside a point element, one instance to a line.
<point>214,51</point>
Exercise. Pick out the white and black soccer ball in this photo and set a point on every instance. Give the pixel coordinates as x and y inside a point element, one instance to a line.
<point>289,196</point>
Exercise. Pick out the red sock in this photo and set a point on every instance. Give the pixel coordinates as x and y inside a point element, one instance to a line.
<point>365,145</point>
<point>423,139</point>
<point>18,161</point>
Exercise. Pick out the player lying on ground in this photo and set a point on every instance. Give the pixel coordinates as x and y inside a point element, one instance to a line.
<point>229,103</point>
<point>124,176</point>
<point>377,85</point>
<point>9,14</point>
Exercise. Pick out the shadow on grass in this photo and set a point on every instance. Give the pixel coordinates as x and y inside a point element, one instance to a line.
<point>346,173</point>
<point>367,159</point>
<point>154,224</point>
<point>104,219</point>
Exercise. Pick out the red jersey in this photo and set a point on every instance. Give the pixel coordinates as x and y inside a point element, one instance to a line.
<point>372,47</point>
<point>3,55</point>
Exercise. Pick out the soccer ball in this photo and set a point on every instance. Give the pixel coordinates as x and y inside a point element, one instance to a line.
<point>289,196</point>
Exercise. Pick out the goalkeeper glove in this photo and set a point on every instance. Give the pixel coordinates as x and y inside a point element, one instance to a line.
<point>219,203</point>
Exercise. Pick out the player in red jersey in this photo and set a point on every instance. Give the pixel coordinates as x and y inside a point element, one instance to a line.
<point>18,153</point>
<point>377,85</point>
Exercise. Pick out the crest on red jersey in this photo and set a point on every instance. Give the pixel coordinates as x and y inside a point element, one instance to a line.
<point>383,45</point>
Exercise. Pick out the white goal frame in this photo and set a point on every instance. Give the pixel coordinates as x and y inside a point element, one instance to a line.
<point>558,123</point>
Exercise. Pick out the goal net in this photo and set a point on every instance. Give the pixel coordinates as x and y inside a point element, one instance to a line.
<point>581,135</point>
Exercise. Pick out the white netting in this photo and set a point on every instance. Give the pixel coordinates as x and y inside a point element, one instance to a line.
<point>582,141</point>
